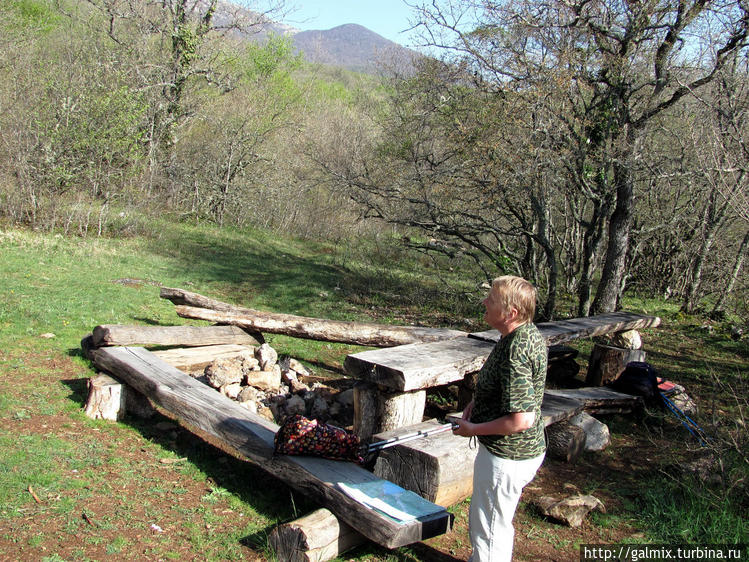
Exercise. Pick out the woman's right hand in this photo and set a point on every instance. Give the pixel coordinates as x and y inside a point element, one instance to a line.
<point>467,411</point>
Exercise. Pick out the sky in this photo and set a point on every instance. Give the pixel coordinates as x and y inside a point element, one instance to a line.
<point>385,17</point>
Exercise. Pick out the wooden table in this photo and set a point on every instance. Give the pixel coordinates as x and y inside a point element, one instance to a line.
<point>395,379</point>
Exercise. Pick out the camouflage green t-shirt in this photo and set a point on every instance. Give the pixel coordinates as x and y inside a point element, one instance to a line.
<point>512,380</point>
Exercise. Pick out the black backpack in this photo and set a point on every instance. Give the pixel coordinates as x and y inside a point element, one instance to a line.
<point>640,379</point>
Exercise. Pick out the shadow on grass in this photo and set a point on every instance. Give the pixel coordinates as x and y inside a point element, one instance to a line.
<point>290,278</point>
<point>267,495</point>
<point>78,390</point>
<point>151,321</point>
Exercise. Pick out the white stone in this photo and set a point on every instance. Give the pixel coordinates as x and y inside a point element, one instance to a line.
<point>627,340</point>
<point>231,390</point>
<point>597,436</point>
<point>265,380</point>
<point>224,371</point>
<point>248,394</point>
<point>296,366</point>
<point>267,356</point>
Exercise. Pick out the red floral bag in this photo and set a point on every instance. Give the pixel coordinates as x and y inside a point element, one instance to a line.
<point>301,436</point>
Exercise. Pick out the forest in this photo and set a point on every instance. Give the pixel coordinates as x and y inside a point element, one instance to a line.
<point>595,147</point>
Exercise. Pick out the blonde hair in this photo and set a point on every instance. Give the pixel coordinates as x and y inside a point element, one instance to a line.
<point>516,292</point>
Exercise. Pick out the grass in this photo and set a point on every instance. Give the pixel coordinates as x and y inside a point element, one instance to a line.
<point>215,507</point>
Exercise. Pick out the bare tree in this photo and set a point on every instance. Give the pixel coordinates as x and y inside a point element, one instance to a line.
<point>173,44</point>
<point>612,67</point>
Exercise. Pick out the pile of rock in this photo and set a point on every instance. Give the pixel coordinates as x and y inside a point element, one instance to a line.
<point>277,389</point>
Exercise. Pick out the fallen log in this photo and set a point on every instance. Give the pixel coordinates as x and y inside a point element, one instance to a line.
<point>187,336</point>
<point>316,537</point>
<point>340,331</point>
<point>202,408</point>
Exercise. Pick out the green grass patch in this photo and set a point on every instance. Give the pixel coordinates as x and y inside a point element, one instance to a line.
<point>67,286</point>
<point>685,512</point>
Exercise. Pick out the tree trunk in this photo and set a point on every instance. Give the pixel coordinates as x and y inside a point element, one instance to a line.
<point>734,274</point>
<point>711,220</point>
<point>377,409</point>
<point>608,362</point>
<point>590,247</point>
<point>607,296</point>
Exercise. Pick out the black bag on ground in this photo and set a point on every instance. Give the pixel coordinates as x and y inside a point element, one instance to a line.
<point>639,379</point>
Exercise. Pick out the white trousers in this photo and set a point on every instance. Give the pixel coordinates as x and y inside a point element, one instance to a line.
<point>497,485</point>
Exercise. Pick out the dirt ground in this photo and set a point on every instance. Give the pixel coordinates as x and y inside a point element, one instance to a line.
<point>82,522</point>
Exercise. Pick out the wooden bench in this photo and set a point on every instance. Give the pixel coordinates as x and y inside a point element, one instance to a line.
<point>402,374</point>
<point>201,408</point>
<point>439,467</point>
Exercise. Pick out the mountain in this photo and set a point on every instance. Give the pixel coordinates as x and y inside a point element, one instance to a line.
<point>353,47</point>
<point>350,46</point>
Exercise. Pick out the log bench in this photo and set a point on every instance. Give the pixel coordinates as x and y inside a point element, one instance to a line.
<point>439,467</point>
<point>201,408</point>
<point>399,372</point>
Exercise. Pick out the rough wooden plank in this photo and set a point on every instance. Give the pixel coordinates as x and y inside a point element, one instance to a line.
<point>340,331</point>
<point>417,366</point>
<point>561,331</point>
<point>188,336</point>
<point>198,406</point>
<point>598,398</point>
<point>556,408</point>
<point>196,359</point>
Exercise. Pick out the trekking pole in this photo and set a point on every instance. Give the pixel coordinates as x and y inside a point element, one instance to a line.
<point>379,445</point>
<point>686,421</point>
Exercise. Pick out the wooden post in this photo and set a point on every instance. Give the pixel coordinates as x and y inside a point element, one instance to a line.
<point>109,399</point>
<point>106,398</point>
<point>437,467</point>
<point>565,441</point>
<point>316,537</point>
<point>608,362</point>
<point>378,409</point>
